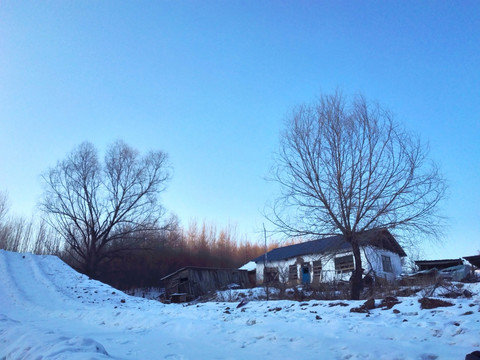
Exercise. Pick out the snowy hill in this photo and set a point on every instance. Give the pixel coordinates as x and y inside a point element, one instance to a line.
<point>49,311</point>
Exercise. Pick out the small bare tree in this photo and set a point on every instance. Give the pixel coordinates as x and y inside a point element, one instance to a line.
<point>347,168</point>
<point>3,206</point>
<point>3,219</point>
<point>15,232</point>
<point>102,209</point>
<point>21,235</point>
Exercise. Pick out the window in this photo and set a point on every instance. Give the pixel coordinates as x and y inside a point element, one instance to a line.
<point>387,263</point>
<point>317,271</point>
<point>271,274</point>
<point>344,264</point>
<point>292,273</point>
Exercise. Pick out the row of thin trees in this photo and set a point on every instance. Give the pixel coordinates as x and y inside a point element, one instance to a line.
<point>162,253</point>
<point>20,234</point>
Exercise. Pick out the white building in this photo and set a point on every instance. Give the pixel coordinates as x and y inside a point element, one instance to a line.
<point>330,259</point>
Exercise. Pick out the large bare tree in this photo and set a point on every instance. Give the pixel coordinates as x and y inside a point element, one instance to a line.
<point>344,166</point>
<point>103,208</point>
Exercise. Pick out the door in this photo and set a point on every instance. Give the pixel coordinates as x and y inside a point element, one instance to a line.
<point>305,274</point>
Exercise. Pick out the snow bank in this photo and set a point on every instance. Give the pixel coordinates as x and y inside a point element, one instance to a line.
<point>22,341</point>
<point>49,311</point>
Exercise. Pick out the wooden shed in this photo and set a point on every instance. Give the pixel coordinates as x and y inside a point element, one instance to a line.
<point>196,281</point>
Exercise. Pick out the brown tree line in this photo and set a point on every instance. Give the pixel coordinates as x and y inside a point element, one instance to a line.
<point>162,253</point>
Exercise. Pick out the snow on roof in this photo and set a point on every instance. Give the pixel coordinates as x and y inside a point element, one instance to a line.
<point>250,266</point>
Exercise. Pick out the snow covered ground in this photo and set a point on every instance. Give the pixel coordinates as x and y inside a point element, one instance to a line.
<point>49,311</point>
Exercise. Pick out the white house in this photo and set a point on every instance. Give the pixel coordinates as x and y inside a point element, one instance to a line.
<point>330,259</point>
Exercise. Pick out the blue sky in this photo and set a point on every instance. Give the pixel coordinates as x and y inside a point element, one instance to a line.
<point>211,82</point>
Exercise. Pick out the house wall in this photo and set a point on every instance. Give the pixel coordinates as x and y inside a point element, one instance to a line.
<point>374,256</point>
<point>371,259</point>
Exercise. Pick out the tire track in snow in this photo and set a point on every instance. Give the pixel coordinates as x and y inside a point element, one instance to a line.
<point>47,274</point>
<point>28,285</point>
<point>24,287</point>
<point>9,289</point>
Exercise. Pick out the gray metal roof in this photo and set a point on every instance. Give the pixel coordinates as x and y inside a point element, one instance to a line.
<point>474,260</point>
<point>437,264</point>
<point>200,268</point>
<point>376,237</point>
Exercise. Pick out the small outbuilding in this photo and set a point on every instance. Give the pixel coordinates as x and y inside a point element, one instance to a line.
<point>191,282</point>
<point>454,269</point>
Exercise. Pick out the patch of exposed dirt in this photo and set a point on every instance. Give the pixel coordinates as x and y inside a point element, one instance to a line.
<point>430,303</point>
<point>389,302</point>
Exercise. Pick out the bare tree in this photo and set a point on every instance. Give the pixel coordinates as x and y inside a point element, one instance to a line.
<point>96,206</point>
<point>347,167</point>
<point>3,220</point>
<point>15,232</point>
<point>3,206</point>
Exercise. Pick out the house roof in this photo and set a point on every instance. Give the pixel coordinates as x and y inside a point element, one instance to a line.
<point>200,268</point>
<point>438,264</point>
<point>380,238</point>
<point>474,260</point>
<point>250,266</point>
<point>445,263</point>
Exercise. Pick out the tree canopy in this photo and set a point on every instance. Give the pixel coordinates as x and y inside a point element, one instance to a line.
<point>103,208</point>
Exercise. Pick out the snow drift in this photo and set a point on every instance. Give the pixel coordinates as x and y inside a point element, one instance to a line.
<point>49,311</point>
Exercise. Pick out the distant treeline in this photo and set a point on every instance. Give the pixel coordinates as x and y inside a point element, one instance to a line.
<point>163,253</point>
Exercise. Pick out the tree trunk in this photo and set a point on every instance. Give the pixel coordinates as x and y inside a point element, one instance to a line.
<point>356,280</point>
<point>91,265</point>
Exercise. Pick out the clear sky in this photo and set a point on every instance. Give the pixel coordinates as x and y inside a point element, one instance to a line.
<point>211,82</point>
